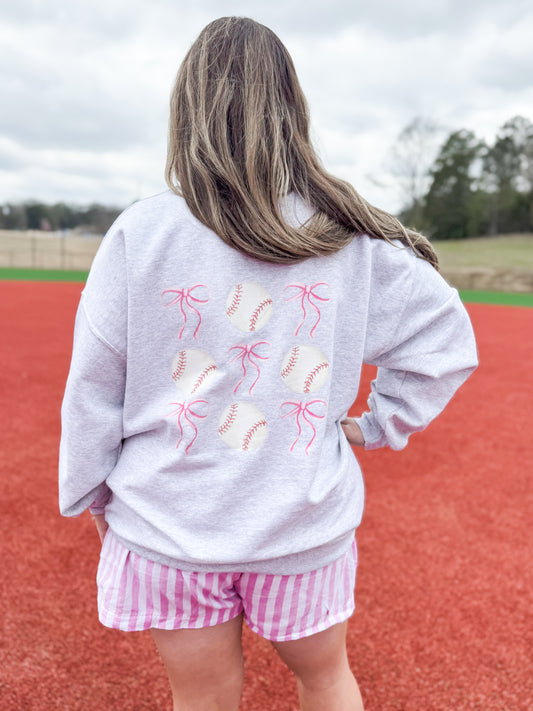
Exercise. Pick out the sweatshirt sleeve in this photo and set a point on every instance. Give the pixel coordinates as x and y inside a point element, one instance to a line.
<point>424,351</point>
<point>92,409</point>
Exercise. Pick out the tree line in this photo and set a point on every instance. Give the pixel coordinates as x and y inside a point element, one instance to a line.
<point>463,187</point>
<point>470,187</point>
<point>34,215</point>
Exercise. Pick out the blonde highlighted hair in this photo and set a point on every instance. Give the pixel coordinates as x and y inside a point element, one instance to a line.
<point>239,142</point>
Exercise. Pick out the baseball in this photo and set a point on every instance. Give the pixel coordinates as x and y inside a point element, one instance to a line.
<point>249,306</point>
<point>304,369</point>
<point>242,426</point>
<point>193,370</point>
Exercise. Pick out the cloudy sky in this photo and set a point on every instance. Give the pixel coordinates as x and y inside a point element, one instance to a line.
<point>84,85</point>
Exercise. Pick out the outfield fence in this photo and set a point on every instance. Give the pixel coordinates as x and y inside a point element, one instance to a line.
<point>74,251</point>
<point>36,249</point>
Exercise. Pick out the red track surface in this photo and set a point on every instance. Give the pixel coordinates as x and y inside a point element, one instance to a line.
<point>445,584</point>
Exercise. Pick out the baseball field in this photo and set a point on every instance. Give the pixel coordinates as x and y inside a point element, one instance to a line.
<point>445,582</point>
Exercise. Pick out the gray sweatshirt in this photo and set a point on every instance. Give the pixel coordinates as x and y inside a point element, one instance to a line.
<point>203,405</point>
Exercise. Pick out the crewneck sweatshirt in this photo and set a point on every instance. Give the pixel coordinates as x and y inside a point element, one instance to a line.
<point>203,405</point>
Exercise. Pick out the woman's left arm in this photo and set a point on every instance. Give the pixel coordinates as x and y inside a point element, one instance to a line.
<point>429,354</point>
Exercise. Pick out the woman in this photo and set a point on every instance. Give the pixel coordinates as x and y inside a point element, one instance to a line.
<point>218,348</point>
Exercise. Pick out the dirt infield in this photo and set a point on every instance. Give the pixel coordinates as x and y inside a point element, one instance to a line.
<point>445,584</point>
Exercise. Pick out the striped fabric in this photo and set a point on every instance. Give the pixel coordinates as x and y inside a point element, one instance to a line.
<point>137,594</point>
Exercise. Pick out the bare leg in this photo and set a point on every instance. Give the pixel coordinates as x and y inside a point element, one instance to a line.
<point>204,666</point>
<point>320,664</point>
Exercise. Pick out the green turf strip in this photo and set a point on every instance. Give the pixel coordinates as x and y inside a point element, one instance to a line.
<point>483,297</point>
<point>496,297</point>
<point>41,274</point>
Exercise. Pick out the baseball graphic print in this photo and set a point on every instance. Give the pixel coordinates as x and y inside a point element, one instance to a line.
<point>193,370</point>
<point>304,369</point>
<point>249,306</point>
<point>242,426</point>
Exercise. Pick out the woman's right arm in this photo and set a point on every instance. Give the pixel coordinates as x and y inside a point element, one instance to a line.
<point>91,420</point>
<point>92,410</point>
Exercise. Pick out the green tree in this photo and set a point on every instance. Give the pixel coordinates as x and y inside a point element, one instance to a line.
<point>521,131</point>
<point>98,218</point>
<point>13,217</point>
<point>63,216</point>
<point>501,172</point>
<point>36,215</point>
<point>450,211</point>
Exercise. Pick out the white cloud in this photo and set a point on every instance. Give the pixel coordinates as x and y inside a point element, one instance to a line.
<point>85,86</point>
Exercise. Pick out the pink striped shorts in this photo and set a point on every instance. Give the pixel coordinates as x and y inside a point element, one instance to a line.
<point>136,594</point>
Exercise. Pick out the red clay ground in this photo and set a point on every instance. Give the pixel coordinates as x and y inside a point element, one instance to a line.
<point>445,585</point>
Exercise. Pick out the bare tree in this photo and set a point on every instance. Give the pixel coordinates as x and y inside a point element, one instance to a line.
<point>412,158</point>
<point>520,130</point>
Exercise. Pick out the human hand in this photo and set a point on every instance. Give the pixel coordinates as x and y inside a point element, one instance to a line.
<point>353,432</point>
<point>101,525</point>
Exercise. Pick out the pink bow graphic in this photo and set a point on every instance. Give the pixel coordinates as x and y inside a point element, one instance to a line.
<point>247,354</point>
<point>184,410</point>
<point>186,296</point>
<point>307,294</point>
<point>304,412</point>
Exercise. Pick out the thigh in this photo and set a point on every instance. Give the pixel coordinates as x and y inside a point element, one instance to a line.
<point>317,655</point>
<point>321,667</point>
<point>204,666</point>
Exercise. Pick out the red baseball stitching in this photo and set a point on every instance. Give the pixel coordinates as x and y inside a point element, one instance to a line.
<point>180,366</point>
<point>251,432</point>
<point>313,374</point>
<point>203,375</point>
<point>237,296</point>
<point>230,419</point>
<point>291,362</point>
<point>255,316</point>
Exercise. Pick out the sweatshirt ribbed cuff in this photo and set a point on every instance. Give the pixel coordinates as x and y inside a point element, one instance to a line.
<point>372,433</point>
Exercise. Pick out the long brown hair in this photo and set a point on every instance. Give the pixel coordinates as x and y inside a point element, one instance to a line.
<point>239,141</point>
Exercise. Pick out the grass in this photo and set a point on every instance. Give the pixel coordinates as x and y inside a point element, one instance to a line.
<point>499,252</point>
<point>496,297</point>
<point>487,297</point>
<point>23,274</point>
